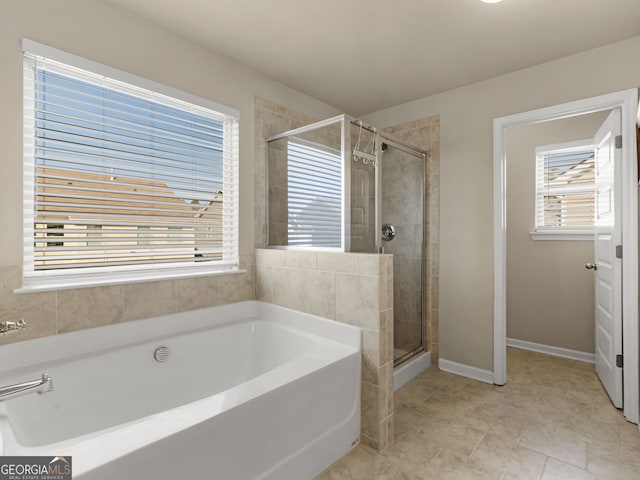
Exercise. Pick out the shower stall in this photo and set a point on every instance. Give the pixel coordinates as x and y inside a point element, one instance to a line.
<point>342,185</point>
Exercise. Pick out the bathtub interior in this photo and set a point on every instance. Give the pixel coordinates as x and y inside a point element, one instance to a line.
<point>201,364</point>
<point>101,390</point>
<point>294,432</point>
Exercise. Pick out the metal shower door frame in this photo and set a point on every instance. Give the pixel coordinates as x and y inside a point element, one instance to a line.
<point>345,145</point>
<point>346,152</point>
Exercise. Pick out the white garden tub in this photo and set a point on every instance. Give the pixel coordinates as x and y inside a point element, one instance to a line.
<point>249,391</point>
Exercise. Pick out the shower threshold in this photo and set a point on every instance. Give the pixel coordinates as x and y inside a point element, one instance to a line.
<point>410,367</point>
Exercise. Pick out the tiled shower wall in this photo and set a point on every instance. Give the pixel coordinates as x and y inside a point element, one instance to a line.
<point>277,193</point>
<point>425,134</point>
<point>61,311</point>
<point>269,120</point>
<point>351,288</point>
<point>363,195</point>
<point>278,181</point>
<point>272,119</point>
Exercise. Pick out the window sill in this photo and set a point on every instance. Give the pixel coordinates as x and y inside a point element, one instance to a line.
<point>44,284</point>
<point>580,236</point>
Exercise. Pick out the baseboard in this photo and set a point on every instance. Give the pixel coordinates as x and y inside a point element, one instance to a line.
<point>410,369</point>
<point>479,374</point>
<point>550,350</point>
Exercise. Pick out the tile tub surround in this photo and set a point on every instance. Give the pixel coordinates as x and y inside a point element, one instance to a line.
<point>351,288</point>
<point>67,310</point>
<point>551,421</point>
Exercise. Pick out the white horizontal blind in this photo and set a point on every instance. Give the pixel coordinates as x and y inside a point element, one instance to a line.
<point>314,195</point>
<point>565,188</point>
<point>119,177</point>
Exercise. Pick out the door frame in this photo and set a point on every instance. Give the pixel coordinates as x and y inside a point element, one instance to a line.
<point>627,101</point>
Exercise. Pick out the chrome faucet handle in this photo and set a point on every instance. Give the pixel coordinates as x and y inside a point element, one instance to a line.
<point>8,327</point>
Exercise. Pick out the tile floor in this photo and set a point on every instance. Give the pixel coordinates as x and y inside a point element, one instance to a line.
<point>552,421</point>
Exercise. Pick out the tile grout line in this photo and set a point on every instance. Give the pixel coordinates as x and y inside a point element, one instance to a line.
<point>435,457</point>
<point>478,444</point>
<point>544,467</point>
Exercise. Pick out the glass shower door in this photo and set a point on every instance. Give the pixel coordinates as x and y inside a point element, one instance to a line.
<point>402,234</point>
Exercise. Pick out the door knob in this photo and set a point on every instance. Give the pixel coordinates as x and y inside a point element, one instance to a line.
<point>591,266</point>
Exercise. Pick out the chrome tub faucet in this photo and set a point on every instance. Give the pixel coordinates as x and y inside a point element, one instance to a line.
<point>8,327</point>
<point>43,385</point>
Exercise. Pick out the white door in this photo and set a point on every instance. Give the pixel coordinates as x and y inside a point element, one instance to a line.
<point>608,268</point>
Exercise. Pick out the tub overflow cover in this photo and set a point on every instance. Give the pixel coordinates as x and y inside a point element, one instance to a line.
<point>162,354</point>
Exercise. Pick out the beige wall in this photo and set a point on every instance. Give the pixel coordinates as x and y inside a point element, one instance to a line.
<point>549,292</point>
<point>466,176</point>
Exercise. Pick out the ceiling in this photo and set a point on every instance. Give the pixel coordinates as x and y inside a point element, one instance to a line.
<point>362,56</point>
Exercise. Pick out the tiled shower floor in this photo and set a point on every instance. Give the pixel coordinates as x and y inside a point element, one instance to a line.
<point>552,421</point>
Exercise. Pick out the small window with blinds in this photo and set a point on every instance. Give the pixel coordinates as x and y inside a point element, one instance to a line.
<point>123,181</point>
<point>314,195</point>
<point>565,187</point>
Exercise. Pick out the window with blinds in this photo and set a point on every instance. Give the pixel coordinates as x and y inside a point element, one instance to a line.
<point>119,178</point>
<point>314,195</point>
<point>565,187</point>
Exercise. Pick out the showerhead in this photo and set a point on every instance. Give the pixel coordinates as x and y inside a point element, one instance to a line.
<point>384,147</point>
